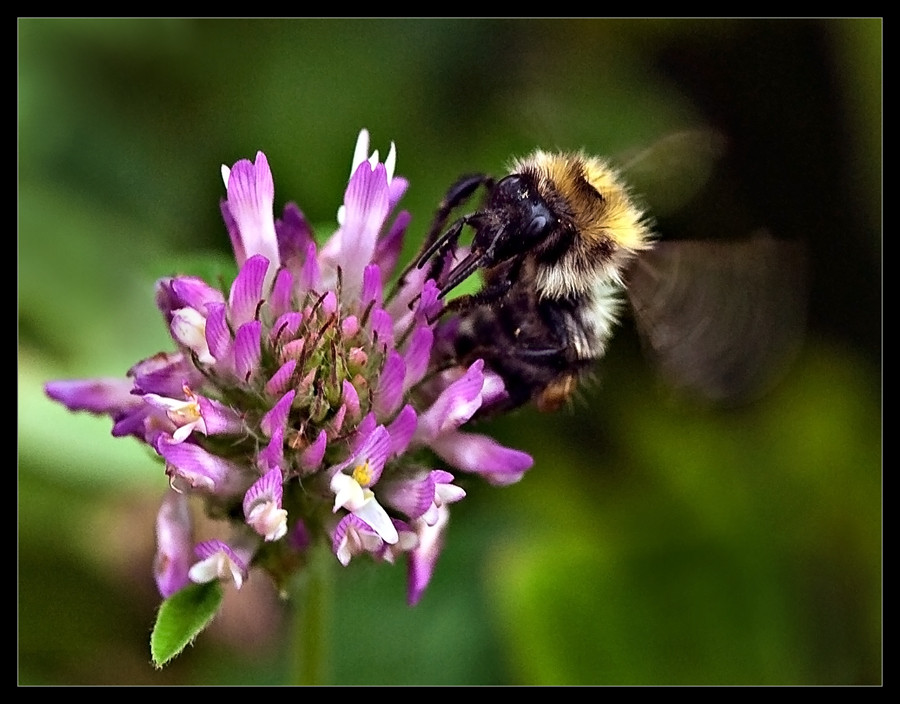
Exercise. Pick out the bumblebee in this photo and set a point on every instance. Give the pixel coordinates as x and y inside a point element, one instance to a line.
<point>565,250</point>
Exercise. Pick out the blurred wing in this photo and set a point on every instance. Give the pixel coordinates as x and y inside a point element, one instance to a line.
<point>674,169</point>
<point>720,319</point>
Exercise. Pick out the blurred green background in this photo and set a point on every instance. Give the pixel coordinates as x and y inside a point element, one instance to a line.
<point>653,542</point>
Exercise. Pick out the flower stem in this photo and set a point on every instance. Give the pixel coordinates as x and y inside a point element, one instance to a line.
<point>312,599</point>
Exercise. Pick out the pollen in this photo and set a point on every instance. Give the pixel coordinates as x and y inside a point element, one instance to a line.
<point>187,412</point>
<point>363,474</point>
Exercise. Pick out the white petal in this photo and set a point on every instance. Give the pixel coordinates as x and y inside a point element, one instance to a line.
<point>391,162</point>
<point>347,492</point>
<point>361,151</point>
<point>372,513</point>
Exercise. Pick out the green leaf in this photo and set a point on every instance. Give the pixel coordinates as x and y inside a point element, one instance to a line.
<point>181,617</point>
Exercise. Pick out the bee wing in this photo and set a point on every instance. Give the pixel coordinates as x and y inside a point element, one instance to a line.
<point>720,319</point>
<point>674,169</point>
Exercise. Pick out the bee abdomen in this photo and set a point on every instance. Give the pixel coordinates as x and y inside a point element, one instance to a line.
<point>539,349</point>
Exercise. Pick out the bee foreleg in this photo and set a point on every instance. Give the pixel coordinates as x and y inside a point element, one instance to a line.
<point>456,195</point>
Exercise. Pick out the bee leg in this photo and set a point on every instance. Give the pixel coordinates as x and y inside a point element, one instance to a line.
<point>557,393</point>
<point>495,288</point>
<point>456,195</point>
<point>438,242</point>
<point>460,304</point>
<point>457,305</point>
<point>491,292</point>
<point>439,250</point>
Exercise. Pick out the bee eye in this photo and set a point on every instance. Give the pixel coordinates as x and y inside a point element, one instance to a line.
<point>537,226</point>
<point>518,196</point>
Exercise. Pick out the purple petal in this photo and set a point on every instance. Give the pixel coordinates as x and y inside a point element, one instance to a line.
<point>365,428</point>
<point>399,306</point>
<point>218,418</point>
<point>387,251</point>
<point>218,334</point>
<point>371,286</point>
<point>417,356</point>
<point>234,234</point>
<point>133,422</point>
<point>286,326</point>
<point>94,395</point>
<point>382,327</point>
<point>350,399</point>
<point>272,455</point>
<point>494,390</point>
<point>282,290</point>
<point>402,429</point>
<point>413,496</point>
<point>374,452</point>
<point>219,561</point>
<point>194,292</point>
<point>247,290</point>
<point>277,416</point>
<point>189,466</point>
<point>482,455</point>
<point>366,207</point>
<point>396,189</point>
<point>329,303</point>
<point>174,544</point>
<point>267,488</point>
<point>372,449</point>
<point>281,379</point>
<point>427,308</point>
<point>353,536</point>
<point>311,458</point>
<point>247,349</point>
<point>429,305</point>
<point>251,195</point>
<point>294,235</point>
<point>310,276</point>
<point>211,547</point>
<point>165,374</point>
<point>422,559</point>
<point>389,392</point>
<point>441,477</point>
<point>454,406</point>
<point>185,292</point>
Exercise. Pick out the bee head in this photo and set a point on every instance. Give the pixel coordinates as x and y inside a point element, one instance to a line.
<point>599,227</point>
<point>516,220</point>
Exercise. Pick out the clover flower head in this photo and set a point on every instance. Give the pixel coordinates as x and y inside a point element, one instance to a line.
<point>305,402</point>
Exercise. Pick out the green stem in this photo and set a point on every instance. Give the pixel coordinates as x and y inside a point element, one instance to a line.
<point>312,602</point>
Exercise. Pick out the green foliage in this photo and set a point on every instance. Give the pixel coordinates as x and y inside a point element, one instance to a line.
<point>733,557</point>
<point>181,618</point>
